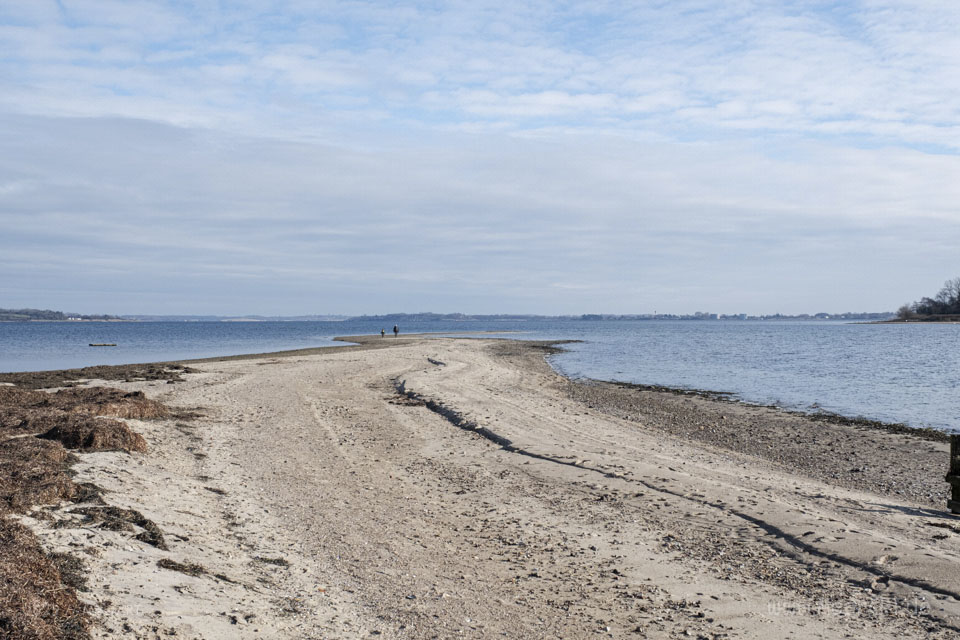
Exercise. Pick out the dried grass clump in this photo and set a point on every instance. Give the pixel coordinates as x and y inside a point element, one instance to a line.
<point>29,419</point>
<point>104,401</point>
<point>18,407</point>
<point>17,397</point>
<point>38,600</point>
<point>32,450</point>
<point>33,472</point>
<point>45,379</point>
<point>73,570</point>
<point>117,519</point>
<point>95,434</point>
<point>34,604</point>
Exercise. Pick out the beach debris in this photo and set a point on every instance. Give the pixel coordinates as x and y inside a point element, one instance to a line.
<point>117,519</point>
<point>72,416</point>
<point>880,584</point>
<point>66,377</point>
<point>37,590</point>
<point>105,401</point>
<point>99,401</point>
<point>73,570</point>
<point>95,434</point>
<point>943,525</point>
<point>188,568</point>
<point>33,600</point>
<point>953,475</point>
<point>33,472</point>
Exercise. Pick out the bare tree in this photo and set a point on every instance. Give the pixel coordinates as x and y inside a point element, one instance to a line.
<point>950,295</point>
<point>946,302</point>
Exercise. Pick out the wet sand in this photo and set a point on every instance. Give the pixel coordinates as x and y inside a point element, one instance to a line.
<point>439,488</point>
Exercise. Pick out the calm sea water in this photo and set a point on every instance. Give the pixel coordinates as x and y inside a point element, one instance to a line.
<point>898,373</point>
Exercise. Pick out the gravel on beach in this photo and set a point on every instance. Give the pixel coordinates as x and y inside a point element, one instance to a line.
<point>900,465</point>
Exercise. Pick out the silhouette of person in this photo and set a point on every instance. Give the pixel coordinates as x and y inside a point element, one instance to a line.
<point>382,333</point>
<point>396,330</point>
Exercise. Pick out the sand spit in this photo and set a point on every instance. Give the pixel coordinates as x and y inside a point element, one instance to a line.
<point>442,488</point>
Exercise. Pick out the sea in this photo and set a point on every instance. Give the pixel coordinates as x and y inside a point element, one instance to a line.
<point>903,373</point>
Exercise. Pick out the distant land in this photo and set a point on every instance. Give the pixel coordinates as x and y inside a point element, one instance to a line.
<point>944,307</point>
<point>46,315</point>
<point>251,318</point>
<point>700,315</point>
<point>21,315</point>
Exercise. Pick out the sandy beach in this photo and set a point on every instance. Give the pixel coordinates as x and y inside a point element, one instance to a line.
<point>422,487</point>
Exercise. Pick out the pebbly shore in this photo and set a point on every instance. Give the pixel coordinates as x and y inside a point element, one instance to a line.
<point>894,460</point>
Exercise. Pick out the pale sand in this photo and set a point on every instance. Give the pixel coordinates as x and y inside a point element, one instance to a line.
<point>332,507</point>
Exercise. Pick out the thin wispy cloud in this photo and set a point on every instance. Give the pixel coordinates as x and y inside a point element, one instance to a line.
<point>482,156</point>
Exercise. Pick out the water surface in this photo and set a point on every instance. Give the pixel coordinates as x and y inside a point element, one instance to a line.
<point>896,373</point>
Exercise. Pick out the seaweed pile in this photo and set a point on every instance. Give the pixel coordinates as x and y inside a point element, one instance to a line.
<point>38,592</point>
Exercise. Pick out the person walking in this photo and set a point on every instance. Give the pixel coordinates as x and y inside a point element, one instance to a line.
<point>396,330</point>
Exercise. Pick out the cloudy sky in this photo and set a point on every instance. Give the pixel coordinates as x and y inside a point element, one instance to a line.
<point>478,156</point>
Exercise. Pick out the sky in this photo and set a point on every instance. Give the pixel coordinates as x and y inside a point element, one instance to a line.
<point>481,156</point>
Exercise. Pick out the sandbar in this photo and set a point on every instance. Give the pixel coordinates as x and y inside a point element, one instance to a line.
<point>458,487</point>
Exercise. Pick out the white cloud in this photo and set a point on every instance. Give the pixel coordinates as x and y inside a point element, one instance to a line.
<point>94,199</point>
<point>877,69</point>
<point>481,149</point>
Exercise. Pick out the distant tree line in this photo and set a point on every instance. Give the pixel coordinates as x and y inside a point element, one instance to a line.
<point>21,315</point>
<point>31,314</point>
<point>945,303</point>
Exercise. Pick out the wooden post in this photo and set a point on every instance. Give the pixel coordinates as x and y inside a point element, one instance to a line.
<point>953,476</point>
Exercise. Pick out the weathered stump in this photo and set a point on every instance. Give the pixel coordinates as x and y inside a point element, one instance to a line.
<point>953,476</point>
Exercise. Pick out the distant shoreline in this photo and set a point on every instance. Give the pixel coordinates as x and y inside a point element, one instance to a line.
<point>32,321</point>
<point>949,320</point>
<point>456,317</point>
